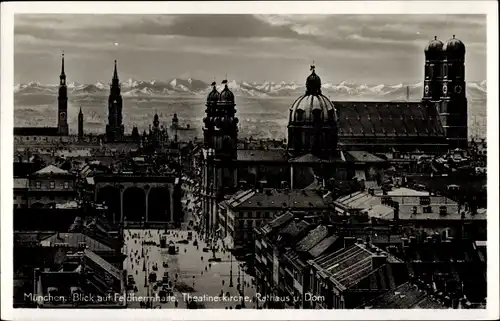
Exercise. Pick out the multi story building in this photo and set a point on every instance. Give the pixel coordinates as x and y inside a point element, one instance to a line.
<point>246,210</point>
<point>49,187</point>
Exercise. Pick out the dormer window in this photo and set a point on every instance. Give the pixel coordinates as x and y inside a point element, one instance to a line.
<point>38,185</point>
<point>52,185</point>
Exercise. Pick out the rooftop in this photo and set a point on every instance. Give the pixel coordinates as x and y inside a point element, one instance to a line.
<point>257,155</point>
<point>312,238</point>
<point>404,191</point>
<point>51,169</point>
<point>273,198</point>
<point>386,119</point>
<point>405,296</point>
<point>362,156</point>
<point>74,240</point>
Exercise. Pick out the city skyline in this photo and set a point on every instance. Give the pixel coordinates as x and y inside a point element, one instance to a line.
<point>358,48</point>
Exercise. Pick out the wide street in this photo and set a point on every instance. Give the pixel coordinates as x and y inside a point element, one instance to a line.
<point>189,270</point>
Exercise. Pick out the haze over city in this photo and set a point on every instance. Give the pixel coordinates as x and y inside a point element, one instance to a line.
<point>360,48</point>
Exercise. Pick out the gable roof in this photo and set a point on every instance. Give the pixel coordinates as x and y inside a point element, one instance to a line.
<point>51,169</point>
<point>387,119</point>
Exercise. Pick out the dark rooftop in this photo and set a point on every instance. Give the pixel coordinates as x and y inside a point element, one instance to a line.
<point>387,119</point>
<point>257,155</point>
<point>312,238</point>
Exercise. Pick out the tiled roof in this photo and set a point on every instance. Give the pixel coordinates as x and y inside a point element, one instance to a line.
<point>20,183</point>
<point>406,296</point>
<point>322,246</point>
<point>387,119</point>
<point>351,265</point>
<point>36,131</point>
<point>294,228</point>
<point>272,198</point>
<point>361,156</point>
<point>312,238</point>
<point>277,222</point>
<point>253,155</point>
<point>51,169</point>
<point>74,239</point>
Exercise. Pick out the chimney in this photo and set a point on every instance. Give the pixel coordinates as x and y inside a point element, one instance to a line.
<point>359,240</point>
<point>331,229</point>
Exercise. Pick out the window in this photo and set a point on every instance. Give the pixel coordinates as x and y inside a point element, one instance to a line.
<point>66,185</point>
<point>38,185</point>
<point>15,197</point>
<point>52,185</point>
<point>425,200</point>
<point>257,214</point>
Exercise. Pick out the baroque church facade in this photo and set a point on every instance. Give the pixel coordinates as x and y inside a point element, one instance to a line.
<point>333,141</point>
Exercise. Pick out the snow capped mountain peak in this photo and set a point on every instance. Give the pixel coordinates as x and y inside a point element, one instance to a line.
<point>178,86</point>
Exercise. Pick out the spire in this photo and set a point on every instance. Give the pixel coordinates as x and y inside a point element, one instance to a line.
<point>80,113</point>
<point>435,37</point>
<point>62,63</point>
<point>115,73</point>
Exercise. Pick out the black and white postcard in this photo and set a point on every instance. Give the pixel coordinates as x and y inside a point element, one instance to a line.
<point>269,160</point>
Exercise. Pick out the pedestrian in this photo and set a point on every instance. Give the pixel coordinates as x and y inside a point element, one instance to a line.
<point>176,303</point>
<point>223,282</point>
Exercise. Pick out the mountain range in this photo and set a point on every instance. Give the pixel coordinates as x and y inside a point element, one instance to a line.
<point>193,87</point>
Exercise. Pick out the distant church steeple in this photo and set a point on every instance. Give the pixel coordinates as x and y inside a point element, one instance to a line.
<point>115,128</point>
<point>62,100</point>
<point>80,124</point>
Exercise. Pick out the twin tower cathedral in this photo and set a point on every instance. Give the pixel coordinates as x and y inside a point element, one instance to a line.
<point>444,87</point>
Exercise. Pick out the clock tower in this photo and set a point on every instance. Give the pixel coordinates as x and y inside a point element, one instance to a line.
<point>453,107</point>
<point>62,103</point>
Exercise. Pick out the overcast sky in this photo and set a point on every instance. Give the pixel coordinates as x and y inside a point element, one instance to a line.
<point>368,49</point>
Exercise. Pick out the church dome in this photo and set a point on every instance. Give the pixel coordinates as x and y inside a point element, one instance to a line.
<point>226,95</point>
<point>454,46</point>
<point>434,45</point>
<point>313,106</point>
<point>213,96</point>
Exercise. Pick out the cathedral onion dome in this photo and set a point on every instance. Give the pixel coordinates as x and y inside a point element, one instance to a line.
<point>434,46</point>
<point>313,107</point>
<point>226,96</point>
<point>454,46</point>
<point>213,96</point>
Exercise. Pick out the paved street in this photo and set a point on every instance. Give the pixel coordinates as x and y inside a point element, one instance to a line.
<point>190,264</point>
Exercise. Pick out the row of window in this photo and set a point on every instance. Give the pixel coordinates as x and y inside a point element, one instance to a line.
<point>255,214</point>
<point>52,185</point>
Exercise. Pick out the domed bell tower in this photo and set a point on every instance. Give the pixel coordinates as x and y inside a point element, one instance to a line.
<point>220,134</point>
<point>62,106</point>
<point>453,110</point>
<point>433,71</point>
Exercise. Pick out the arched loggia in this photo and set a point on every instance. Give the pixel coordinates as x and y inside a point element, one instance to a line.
<point>159,204</point>
<point>110,196</point>
<point>134,204</point>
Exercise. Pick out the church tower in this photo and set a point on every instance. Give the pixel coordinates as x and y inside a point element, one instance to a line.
<point>433,71</point>
<point>114,128</point>
<point>80,124</point>
<point>219,152</point>
<point>453,108</point>
<point>62,100</point>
